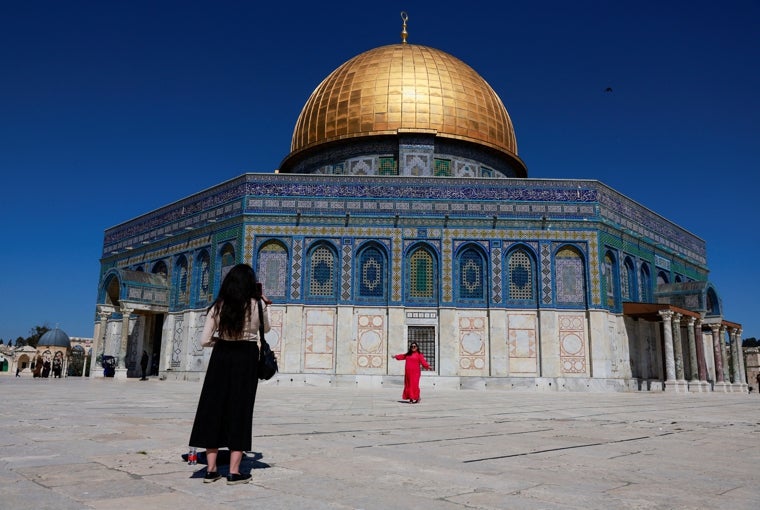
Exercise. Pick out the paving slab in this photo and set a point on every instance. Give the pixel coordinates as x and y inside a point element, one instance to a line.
<point>110,444</point>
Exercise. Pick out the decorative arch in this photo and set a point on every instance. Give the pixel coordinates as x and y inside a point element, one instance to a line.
<point>645,284</point>
<point>471,274</point>
<point>662,278</point>
<point>272,268</point>
<point>610,274</point>
<point>160,268</point>
<point>422,275</point>
<point>628,280</point>
<point>322,273</point>
<point>569,277</point>
<point>202,278</point>
<point>712,303</point>
<point>521,288</point>
<point>181,284</point>
<point>227,258</point>
<point>371,274</point>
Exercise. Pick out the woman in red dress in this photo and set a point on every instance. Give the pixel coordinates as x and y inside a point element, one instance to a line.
<point>414,359</point>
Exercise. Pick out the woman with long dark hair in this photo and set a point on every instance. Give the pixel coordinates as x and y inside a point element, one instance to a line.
<point>414,358</point>
<point>225,409</point>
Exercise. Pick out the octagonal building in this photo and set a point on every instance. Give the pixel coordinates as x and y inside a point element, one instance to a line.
<point>403,212</point>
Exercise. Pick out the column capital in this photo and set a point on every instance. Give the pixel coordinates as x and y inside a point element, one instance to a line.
<point>691,320</point>
<point>666,314</point>
<point>677,317</point>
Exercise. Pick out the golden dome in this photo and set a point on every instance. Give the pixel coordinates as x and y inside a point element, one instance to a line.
<point>404,88</point>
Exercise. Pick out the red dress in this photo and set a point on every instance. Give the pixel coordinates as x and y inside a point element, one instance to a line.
<point>412,374</point>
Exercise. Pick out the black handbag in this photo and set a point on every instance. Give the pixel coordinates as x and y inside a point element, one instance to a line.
<point>267,360</point>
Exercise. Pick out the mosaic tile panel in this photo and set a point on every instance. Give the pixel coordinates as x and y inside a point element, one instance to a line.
<point>176,355</point>
<point>546,274</point>
<point>496,275</point>
<point>274,336</point>
<point>472,343</point>
<point>272,269</point>
<point>572,344</point>
<point>371,341</point>
<point>347,263</point>
<point>296,267</point>
<point>319,335</point>
<point>521,344</point>
<point>570,278</point>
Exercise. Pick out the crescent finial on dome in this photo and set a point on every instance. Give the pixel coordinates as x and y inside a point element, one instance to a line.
<point>404,17</point>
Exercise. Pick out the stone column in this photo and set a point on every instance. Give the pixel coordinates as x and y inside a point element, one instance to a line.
<point>718,354</point>
<point>678,346</point>
<point>724,353</point>
<point>693,367</point>
<point>99,339</point>
<point>121,361</point>
<point>670,363</point>
<point>742,368</point>
<point>700,341</point>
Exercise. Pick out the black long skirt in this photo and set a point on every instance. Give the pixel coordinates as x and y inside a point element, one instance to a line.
<point>225,409</point>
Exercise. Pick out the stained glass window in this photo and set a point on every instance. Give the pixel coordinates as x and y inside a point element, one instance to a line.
<point>322,272</point>
<point>371,273</point>
<point>609,280</point>
<point>471,275</point>
<point>388,166</point>
<point>273,269</point>
<point>521,285</point>
<point>421,274</point>
<point>571,288</point>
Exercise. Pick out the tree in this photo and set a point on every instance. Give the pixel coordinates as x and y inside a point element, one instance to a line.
<point>35,334</point>
<point>20,342</point>
<point>751,342</point>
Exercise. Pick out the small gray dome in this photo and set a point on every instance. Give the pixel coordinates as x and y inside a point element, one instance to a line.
<point>55,338</point>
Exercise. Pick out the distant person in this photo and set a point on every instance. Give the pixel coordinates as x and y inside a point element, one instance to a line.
<point>18,371</point>
<point>57,368</point>
<point>414,358</point>
<point>225,409</point>
<point>37,372</point>
<point>46,369</point>
<point>757,378</point>
<point>144,365</point>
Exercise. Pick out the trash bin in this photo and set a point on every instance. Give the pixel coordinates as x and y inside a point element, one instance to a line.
<point>109,366</point>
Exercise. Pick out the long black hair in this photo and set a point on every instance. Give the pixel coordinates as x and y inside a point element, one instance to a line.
<point>233,303</point>
<point>409,352</point>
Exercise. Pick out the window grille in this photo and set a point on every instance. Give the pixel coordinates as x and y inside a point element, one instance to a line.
<point>520,276</point>
<point>421,274</point>
<point>273,267</point>
<point>388,166</point>
<point>371,273</point>
<point>609,280</point>
<point>471,275</point>
<point>322,272</point>
<point>442,168</point>
<point>424,336</point>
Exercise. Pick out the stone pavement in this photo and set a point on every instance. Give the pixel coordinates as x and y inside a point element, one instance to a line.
<point>106,444</point>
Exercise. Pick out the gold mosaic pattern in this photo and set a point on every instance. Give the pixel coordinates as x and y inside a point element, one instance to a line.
<point>404,87</point>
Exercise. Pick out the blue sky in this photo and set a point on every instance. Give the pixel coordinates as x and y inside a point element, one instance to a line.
<point>111,109</point>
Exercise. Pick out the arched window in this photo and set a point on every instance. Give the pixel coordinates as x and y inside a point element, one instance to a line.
<point>609,269</point>
<point>228,259</point>
<point>160,268</point>
<point>570,280</point>
<point>627,281</point>
<point>471,279</point>
<point>203,277</point>
<point>322,275</point>
<point>180,282</point>
<point>422,283</point>
<point>662,278</point>
<point>273,269</point>
<point>645,285</point>
<point>521,286</point>
<point>371,273</point>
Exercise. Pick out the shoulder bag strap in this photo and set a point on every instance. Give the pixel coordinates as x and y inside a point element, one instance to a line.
<point>259,305</point>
